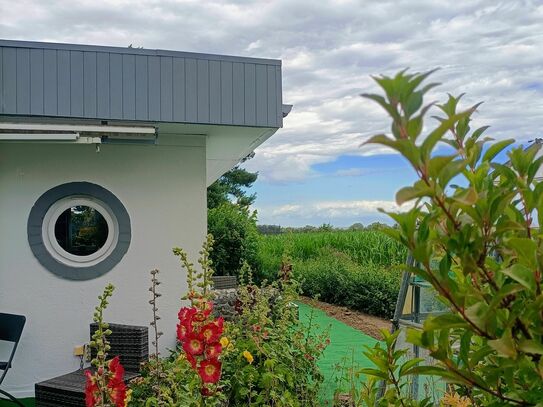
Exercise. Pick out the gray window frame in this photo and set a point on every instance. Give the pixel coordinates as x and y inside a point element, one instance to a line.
<point>77,189</point>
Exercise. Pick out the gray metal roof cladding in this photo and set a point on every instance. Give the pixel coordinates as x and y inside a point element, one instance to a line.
<point>110,83</point>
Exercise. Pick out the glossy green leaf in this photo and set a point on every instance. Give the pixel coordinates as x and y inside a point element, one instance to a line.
<point>444,321</point>
<point>497,148</point>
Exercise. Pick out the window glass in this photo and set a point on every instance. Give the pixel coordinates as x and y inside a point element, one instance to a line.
<point>81,230</point>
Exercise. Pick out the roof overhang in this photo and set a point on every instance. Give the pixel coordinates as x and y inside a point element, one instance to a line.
<point>226,146</point>
<point>92,94</point>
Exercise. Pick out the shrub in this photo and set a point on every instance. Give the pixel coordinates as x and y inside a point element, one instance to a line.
<point>273,361</point>
<point>484,232</point>
<point>235,233</point>
<point>333,277</point>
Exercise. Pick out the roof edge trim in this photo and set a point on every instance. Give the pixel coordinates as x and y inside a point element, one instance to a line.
<point>135,51</point>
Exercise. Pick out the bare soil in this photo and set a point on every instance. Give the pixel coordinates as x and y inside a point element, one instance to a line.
<point>365,323</point>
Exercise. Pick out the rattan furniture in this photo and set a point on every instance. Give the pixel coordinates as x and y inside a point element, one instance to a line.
<point>129,342</point>
<point>224,282</point>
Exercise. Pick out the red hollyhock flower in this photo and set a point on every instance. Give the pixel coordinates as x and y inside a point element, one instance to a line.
<point>220,324</point>
<point>213,351</point>
<point>186,316</point>
<point>192,360</point>
<point>117,392</point>
<point>210,333</point>
<point>91,390</point>
<point>193,345</point>
<point>199,316</point>
<point>182,332</point>
<point>115,368</point>
<point>210,371</point>
<point>116,385</point>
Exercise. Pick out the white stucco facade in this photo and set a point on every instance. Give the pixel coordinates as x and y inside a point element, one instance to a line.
<point>163,188</point>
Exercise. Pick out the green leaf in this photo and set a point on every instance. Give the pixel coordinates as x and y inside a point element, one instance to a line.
<point>407,366</point>
<point>404,146</point>
<point>437,163</point>
<point>467,196</point>
<point>383,140</point>
<point>477,133</point>
<point>438,371</point>
<point>414,127</point>
<point>444,321</point>
<point>526,250</point>
<point>531,346</point>
<point>437,134</point>
<point>504,345</point>
<point>374,373</point>
<point>414,102</point>
<point>418,190</point>
<point>496,148</point>
<point>450,171</point>
<point>383,103</point>
<point>521,274</point>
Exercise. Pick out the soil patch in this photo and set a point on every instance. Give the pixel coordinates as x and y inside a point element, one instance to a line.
<point>365,323</point>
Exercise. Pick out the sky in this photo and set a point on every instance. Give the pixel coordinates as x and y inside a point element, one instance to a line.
<point>314,170</point>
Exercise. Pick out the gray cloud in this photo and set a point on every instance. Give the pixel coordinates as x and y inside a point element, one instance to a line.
<point>487,48</point>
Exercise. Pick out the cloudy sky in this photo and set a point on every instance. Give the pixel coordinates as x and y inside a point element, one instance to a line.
<point>314,171</point>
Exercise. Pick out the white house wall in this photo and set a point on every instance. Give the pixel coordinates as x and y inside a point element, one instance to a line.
<point>163,190</point>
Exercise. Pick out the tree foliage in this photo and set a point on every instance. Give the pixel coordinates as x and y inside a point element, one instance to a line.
<point>482,232</point>
<point>236,237</point>
<point>230,220</point>
<point>232,186</point>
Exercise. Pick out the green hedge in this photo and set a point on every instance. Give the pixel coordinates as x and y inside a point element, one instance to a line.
<point>357,269</point>
<point>334,278</point>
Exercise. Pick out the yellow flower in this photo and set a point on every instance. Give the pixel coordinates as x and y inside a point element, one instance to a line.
<point>455,400</point>
<point>128,397</point>
<point>224,341</point>
<point>247,355</point>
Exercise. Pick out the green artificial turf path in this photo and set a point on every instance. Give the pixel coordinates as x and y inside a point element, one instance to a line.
<point>344,351</point>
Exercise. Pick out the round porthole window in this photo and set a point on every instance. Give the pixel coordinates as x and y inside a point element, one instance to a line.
<point>79,230</point>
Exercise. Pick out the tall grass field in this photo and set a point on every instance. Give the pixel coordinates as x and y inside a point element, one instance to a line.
<point>358,269</point>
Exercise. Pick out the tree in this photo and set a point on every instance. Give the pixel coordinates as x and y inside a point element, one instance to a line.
<point>270,229</point>
<point>231,222</point>
<point>356,226</point>
<point>232,185</point>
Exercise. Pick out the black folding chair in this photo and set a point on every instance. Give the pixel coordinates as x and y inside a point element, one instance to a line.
<point>11,328</point>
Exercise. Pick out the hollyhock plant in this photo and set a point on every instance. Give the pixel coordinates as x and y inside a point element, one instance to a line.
<point>105,387</point>
<point>198,332</point>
